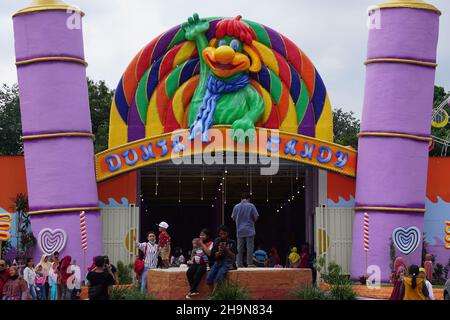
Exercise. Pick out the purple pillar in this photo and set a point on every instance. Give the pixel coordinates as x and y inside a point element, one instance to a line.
<point>392,168</point>
<point>56,125</point>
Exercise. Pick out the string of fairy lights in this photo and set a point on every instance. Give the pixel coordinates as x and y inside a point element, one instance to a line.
<point>296,188</point>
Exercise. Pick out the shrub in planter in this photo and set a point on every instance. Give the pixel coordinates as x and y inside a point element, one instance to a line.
<point>342,292</point>
<point>310,293</point>
<point>334,276</point>
<point>124,273</point>
<point>230,291</point>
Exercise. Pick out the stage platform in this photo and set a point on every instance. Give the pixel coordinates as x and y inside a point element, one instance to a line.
<point>261,283</point>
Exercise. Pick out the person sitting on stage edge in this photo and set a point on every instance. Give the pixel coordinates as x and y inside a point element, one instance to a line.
<point>274,258</point>
<point>304,257</point>
<point>260,258</point>
<point>178,258</point>
<point>293,259</point>
<point>198,264</point>
<point>224,252</point>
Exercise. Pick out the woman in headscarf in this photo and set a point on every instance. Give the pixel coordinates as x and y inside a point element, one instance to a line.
<point>414,286</point>
<point>428,265</point>
<point>274,258</point>
<point>16,287</point>
<point>399,273</point>
<point>423,275</point>
<point>65,263</point>
<point>92,266</point>
<point>46,266</point>
<point>45,263</point>
<point>304,257</point>
<point>294,259</point>
<point>53,279</point>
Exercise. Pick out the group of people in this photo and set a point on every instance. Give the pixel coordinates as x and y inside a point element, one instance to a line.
<point>50,279</point>
<point>151,251</point>
<point>214,257</point>
<point>413,282</point>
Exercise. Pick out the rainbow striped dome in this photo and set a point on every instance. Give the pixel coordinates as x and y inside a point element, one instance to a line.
<point>155,91</point>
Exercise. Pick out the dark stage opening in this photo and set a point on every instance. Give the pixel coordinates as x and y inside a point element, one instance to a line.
<point>192,197</point>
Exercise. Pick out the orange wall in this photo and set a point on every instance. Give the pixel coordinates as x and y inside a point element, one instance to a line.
<point>123,186</point>
<point>438,179</point>
<point>339,186</point>
<point>12,180</point>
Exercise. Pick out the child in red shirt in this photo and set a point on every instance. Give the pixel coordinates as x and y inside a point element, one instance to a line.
<point>164,244</point>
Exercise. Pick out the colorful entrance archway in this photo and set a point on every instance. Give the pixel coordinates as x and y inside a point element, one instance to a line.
<point>153,97</point>
<point>155,91</point>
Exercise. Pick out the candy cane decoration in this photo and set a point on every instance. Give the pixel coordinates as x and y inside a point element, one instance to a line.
<point>83,230</point>
<point>366,232</point>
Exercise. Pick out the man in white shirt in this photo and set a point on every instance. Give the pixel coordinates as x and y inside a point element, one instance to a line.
<point>151,252</point>
<point>29,276</point>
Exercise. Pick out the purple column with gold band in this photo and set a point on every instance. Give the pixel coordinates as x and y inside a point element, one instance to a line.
<point>395,130</point>
<point>56,125</point>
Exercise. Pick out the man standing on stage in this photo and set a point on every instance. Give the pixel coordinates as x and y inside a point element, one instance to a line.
<point>245,216</point>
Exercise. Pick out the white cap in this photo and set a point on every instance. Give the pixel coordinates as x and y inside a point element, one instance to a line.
<point>164,225</point>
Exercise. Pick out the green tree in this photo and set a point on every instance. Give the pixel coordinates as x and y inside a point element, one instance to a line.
<point>100,97</point>
<point>443,133</point>
<point>25,239</point>
<point>10,125</point>
<point>346,128</point>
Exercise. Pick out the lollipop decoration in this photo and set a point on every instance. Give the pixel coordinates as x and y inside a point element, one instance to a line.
<point>406,240</point>
<point>50,241</point>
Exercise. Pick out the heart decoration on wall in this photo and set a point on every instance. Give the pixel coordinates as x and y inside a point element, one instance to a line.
<point>406,240</point>
<point>50,241</point>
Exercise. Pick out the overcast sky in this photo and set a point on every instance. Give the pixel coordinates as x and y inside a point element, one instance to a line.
<point>332,33</point>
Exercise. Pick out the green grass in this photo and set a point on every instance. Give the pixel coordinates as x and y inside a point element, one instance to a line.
<point>311,293</point>
<point>118,293</point>
<point>342,292</point>
<point>230,291</point>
